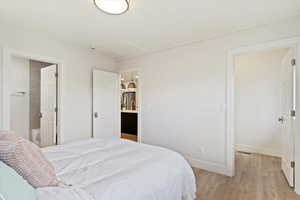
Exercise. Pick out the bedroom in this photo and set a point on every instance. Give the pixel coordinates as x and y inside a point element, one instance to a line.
<point>182,51</point>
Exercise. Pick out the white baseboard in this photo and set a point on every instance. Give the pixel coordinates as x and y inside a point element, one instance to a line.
<point>222,168</point>
<point>209,166</point>
<point>259,150</point>
<point>297,190</point>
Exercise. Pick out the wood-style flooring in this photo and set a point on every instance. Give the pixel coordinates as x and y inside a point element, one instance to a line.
<point>129,137</point>
<point>258,177</point>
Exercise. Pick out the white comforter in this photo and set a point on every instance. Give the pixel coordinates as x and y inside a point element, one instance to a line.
<point>118,170</point>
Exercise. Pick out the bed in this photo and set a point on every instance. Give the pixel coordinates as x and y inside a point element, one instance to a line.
<point>117,169</point>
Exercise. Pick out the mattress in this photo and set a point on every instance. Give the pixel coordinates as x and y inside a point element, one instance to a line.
<point>117,169</point>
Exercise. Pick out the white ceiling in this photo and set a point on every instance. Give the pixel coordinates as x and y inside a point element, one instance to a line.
<point>149,26</point>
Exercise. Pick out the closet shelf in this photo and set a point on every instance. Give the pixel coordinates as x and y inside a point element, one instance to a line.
<point>128,90</point>
<point>129,111</point>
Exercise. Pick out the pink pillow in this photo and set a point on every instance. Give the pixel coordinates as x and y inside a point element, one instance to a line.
<point>27,160</point>
<point>8,135</point>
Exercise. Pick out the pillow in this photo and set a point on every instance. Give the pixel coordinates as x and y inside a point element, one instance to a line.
<point>28,161</point>
<point>8,135</point>
<point>13,186</point>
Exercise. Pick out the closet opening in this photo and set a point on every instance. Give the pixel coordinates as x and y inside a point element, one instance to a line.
<point>129,105</point>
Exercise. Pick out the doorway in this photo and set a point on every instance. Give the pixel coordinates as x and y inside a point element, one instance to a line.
<point>129,105</point>
<point>33,101</point>
<point>116,105</point>
<point>264,106</point>
<point>31,97</point>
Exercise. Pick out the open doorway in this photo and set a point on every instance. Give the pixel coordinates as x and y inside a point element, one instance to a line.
<point>33,99</point>
<point>264,112</point>
<point>129,95</point>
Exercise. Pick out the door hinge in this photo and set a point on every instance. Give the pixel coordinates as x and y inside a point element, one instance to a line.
<point>293,113</point>
<point>56,74</point>
<point>293,62</point>
<point>293,164</point>
<point>55,109</point>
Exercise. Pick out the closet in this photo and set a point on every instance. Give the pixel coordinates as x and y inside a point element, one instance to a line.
<point>129,105</point>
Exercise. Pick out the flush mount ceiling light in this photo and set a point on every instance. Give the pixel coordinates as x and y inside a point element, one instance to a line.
<point>113,7</point>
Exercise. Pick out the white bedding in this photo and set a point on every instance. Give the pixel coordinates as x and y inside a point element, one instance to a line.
<point>118,170</point>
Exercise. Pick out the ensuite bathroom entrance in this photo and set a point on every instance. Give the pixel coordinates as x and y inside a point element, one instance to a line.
<point>33,100</point>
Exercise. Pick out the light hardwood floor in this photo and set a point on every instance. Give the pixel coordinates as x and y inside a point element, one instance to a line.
<point>258,177</point>
<point>129,137</point>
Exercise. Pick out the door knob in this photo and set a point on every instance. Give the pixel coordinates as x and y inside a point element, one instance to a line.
<point>96,115</point>
<point>281,119</point>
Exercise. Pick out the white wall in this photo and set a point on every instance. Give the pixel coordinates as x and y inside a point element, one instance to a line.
<point>19,82</point>
<point>1,89</point>
<point>184,94</point>
<point>258,101</point>
<point>76,76</point>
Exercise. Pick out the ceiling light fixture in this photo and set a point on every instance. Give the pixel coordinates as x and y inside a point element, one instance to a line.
<point>113,7</point>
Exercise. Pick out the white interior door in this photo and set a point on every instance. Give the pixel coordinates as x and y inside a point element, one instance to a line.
<point>106,104</point>
<point>287,118</point>
<point>48,106</point>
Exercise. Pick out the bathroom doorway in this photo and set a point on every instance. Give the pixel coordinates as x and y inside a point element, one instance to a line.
<point>270,95</point>
<point>33,98</point>
<point>43,103</point>
<point>130,105</point>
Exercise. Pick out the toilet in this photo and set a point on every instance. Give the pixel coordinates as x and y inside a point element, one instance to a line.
<point>36,136</point>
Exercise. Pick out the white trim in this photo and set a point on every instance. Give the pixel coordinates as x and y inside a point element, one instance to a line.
<point>259,150</point>
<point>7,53</point>
<point>208,166</point>
<point>139,100</point>
<point>285,43</point>
<point>230,158</point>
<point>296,127</point>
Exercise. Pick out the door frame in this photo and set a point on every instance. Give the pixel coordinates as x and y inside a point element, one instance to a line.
<point>139,100</point>
<point>7,53</point>
<point>230,97</point>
